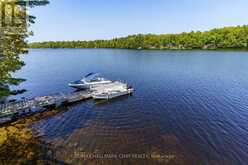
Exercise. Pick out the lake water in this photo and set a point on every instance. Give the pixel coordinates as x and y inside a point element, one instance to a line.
<point>189,107</point>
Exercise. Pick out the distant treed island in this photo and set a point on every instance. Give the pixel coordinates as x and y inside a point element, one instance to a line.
<point>222,38</point>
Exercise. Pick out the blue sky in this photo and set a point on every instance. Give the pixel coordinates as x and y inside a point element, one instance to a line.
<point>105,19</point>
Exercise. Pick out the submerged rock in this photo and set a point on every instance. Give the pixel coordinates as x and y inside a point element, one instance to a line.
<point>3,136</point>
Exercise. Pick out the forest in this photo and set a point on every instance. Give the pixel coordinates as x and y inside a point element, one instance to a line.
<point>218,38</point>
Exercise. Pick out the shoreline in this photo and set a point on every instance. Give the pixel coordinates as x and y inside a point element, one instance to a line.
<point>226,49</point>
<point>20,143</point>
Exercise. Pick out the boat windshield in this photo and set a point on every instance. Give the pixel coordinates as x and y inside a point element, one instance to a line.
<point>92,77</point>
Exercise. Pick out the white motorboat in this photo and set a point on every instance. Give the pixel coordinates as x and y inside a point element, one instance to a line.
<point>89,81</point>
<point>112,93</point>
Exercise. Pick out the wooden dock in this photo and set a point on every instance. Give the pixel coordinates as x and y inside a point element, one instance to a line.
<point>15,110</point>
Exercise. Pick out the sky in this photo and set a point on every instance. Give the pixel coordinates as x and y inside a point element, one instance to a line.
<point>106,19</point>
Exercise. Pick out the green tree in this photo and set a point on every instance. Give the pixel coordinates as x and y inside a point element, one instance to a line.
<point>13,33</point>
<point>223,38</point>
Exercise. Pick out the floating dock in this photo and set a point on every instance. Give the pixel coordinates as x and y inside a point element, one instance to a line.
<point>15,110</point>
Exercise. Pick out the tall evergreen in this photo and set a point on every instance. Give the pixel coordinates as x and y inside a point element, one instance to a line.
<point>14,23</point>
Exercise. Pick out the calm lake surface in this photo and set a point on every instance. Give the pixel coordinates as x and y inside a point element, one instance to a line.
<point>189,107</point>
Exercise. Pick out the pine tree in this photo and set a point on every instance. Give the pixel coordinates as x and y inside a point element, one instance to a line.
<point>14,23</point>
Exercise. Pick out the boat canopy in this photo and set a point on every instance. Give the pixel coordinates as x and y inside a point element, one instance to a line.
<point>92,76</point>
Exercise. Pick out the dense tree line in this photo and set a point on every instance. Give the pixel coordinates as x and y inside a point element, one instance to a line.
<point>222,38</point>
<point>13,34</point>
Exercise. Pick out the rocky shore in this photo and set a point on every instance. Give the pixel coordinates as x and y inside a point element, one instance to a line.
<point>19,144</point>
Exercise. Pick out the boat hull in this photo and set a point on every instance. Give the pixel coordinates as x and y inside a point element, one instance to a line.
<point>79,86</point>
<point>87,86</point>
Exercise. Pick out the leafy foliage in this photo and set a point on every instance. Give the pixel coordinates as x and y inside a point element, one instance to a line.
<point>13,39</point>
<point>223,38</point>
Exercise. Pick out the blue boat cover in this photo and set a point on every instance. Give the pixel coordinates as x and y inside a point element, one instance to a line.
<point>91,76</point>
<point>92,73</point>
